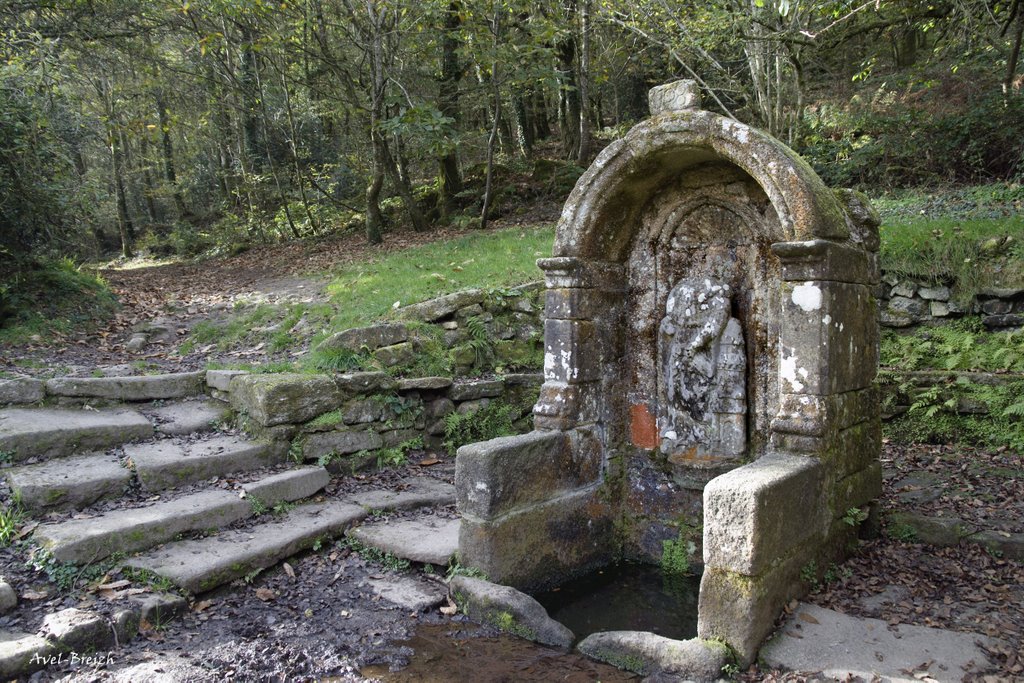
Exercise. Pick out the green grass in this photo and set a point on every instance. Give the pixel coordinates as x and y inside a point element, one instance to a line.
<point>365,292</point>
<point>54,297</point>
<point>968,238</point>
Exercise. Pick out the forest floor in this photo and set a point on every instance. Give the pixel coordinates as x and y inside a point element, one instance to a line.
<point>964,587</point>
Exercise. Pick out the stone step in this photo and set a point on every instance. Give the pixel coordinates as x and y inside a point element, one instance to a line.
<point>203,564</point>
<point>52,432</point>
<point>188,417</point>
<point>174,462</point>
<point>140,388</point>
<point>82,541</point>
<point>68,483</point>
<point>429,540</point>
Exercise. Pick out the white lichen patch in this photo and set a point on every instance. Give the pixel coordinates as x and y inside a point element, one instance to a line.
<point>788,372</point>
<point>807,296</point>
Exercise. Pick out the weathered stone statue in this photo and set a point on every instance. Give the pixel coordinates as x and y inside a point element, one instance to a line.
<point>703,368</point>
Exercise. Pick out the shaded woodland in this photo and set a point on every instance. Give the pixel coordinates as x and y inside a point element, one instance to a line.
<point>178,127</point>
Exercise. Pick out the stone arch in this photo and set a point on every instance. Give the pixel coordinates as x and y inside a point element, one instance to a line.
<point>603,209</point>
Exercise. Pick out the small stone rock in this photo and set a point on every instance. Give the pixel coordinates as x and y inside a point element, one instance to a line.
<point>157,609</point>
<point>934,293</point>
<point>470,407</point>
<point>137,342</point>
<point>474,389</point>
<point>221,379</point>
<point>905,288</point>
<point>996,307</point>
<point>424,383</point>
<point>77,629</point>
<point>371,338</point>
<point>649,653</point>
<point>21,390</point>
<point>398,354</point>
<point>126,625</point>
<point>939,309</point>
<point>997,322</point>
<point>901,305</point>
<point>509,610</point>
<point>450,325</point>
<point>8,597</point>
<point>442,307</point>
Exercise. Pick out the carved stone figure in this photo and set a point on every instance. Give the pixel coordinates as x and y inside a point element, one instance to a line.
<point>703,366</point>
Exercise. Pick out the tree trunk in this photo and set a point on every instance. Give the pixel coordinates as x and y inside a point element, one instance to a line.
<point>584,80</point>
<point>250,102</point>
<point>401,181</point>
<point>124,219</point>
<point>492,139</point>
<point>524,126</point>
<point>167,147</point>
<point>448,104</point>
<point>1011,61</point>
<point>569,96</point>
<point>374,219</point>
<point>147,178</point>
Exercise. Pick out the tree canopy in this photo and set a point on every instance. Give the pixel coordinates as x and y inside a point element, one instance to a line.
<point>185,127</point>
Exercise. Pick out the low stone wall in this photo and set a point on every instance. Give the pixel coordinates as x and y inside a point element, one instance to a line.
<point>348,420</point>
<point>467,332</point>
<point>905,303</point>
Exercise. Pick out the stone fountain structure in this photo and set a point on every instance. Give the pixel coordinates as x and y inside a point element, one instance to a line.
<point>711,348</point>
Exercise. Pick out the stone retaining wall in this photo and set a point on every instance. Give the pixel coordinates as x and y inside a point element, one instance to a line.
<point>905,303</point>
<point>346,420</point>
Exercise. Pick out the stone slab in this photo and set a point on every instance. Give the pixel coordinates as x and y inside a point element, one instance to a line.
<point>169,463</point>
<point>340,443</point>
<point>410,594</point>
<point>843,647</point>
<point>51,432</point>
<point>68,483</point>
<point>430,540</point>
<point>203,564</point>
<point>755,514</point>
<point>139,388</point>
<point>188,417</point>
<point>509,610</point>
<point>221,379</point>
<point>21,390</point>
<point>77,630</point>
<point>648,653</point>
<point>287,398</point>
<point>421,492</point>
<point>23,653</point>
<point>291,485</point>
<point>477,388</point>
<point>441,307</point>
<point>88,540</point>
<point>424,383</point>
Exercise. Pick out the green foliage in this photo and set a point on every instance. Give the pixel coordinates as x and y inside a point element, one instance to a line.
<point>296,450</point>
<point>11,519</point>
<point>675,555</point>
<point>902,532</point>
<point>455,568</point>
<point>68,576</point>
<point>934,414</point>
<point>396,456</point>
<point>336,360</point>
<point>258,506</point>
<point>855,516</point>
<point>918,132</point>
<point>493,420</point>
<point>377,556</point>
<point>964,345</point>
<point>326,420</point>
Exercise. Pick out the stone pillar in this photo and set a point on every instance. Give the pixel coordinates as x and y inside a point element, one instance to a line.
<point>582,339</point>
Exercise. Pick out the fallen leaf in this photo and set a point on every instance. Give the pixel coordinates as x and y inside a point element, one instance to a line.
<point>114,585</point>
<point>202,605</point>
<point>804,616</point>
<point>289,571</point>
<point>265,594</point>
<point>34,595</point>
<point>450,609</point>
<point>428,462</point>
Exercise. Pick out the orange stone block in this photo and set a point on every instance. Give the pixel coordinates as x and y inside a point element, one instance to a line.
<point>643,427</point>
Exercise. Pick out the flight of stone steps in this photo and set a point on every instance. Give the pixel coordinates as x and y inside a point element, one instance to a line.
<point>152,479</point>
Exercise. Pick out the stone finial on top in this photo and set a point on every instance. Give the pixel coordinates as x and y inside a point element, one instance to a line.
<point>681,95</point>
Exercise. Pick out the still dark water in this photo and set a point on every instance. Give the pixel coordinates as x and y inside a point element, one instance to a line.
<point>627,597</point>
<point>624,597</point>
